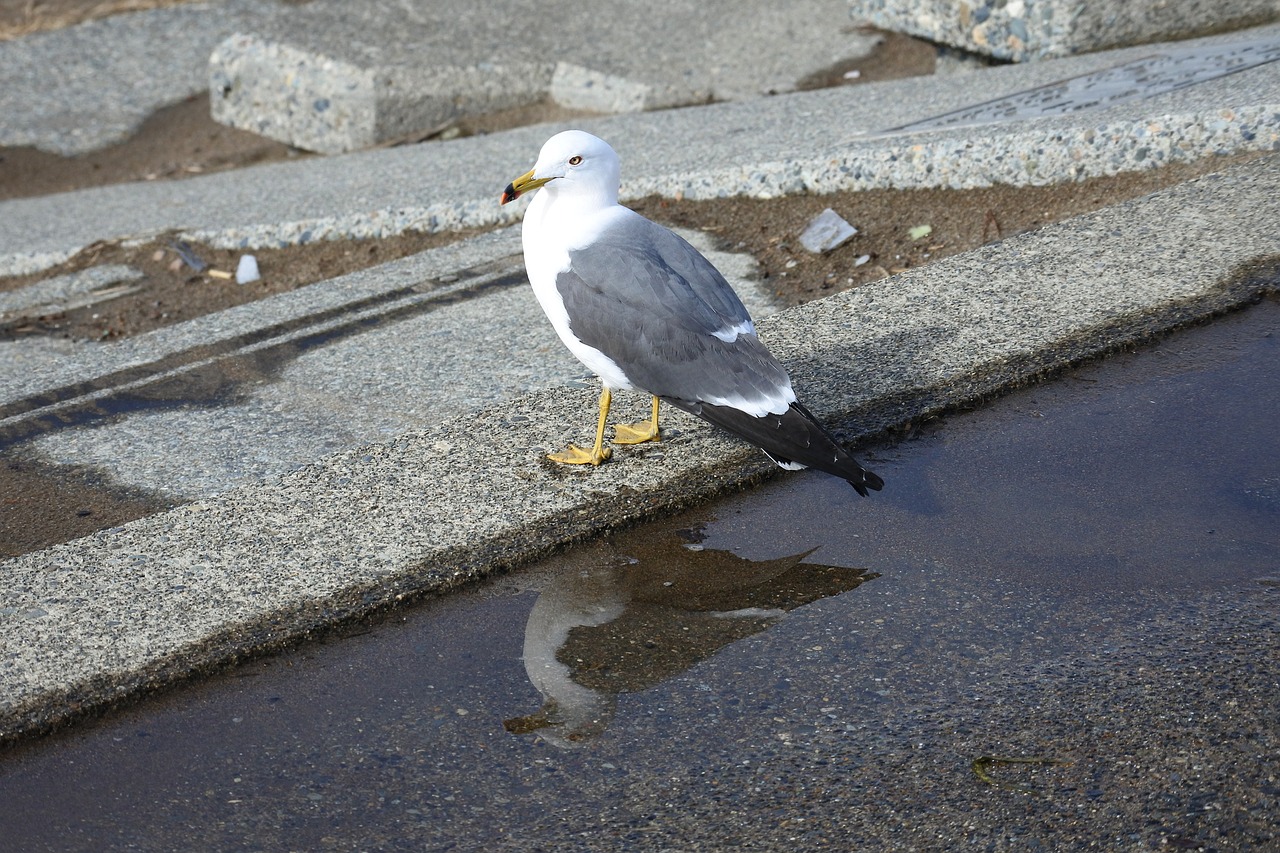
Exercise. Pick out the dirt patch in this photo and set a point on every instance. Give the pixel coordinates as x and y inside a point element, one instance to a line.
<point>172,291</point>
<point>957,221</point>
<point>46,504</point>
<point>895,56</point>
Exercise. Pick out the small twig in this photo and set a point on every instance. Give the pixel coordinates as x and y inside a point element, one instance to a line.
<point>981,765</point>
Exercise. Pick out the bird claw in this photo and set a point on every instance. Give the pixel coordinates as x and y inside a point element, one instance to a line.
<point>575,455</point>
<point>637,433</point>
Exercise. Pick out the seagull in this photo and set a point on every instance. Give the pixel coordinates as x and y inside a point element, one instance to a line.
<point>644,310</point>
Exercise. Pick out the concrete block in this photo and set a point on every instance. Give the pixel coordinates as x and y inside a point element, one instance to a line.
<point>581,88</point>
<point>328,105</point>
<point>1022,30</point>
<point>340,77</point>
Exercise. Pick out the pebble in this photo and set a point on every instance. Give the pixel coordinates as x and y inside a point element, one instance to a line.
<point>828,230</point>
<point>247,270</point>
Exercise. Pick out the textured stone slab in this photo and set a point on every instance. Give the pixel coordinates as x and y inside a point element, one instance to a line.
<point>342,76</point>
<point>1022,30</point>
<point>330,105</point>
<point>81,88</point>
<point>1168,68</point>
<point>64,292</point>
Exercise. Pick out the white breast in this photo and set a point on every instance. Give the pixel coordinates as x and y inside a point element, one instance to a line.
<point>546,255</point>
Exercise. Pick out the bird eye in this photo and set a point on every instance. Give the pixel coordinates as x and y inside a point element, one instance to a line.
<point>575,160</point>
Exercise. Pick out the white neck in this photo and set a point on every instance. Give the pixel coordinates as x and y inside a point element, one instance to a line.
<point>584,207</point>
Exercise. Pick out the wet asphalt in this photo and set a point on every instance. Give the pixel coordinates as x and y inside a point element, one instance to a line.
<point>1084,573</point>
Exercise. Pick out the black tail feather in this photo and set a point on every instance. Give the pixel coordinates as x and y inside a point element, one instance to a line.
<point>795,436</point>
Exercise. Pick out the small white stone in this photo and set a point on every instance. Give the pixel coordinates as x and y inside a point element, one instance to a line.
<point>247,269</point>
<point>827,231</point>
<point>862,259</point>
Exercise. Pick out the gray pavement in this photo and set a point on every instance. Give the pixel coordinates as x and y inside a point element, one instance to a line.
<point>413,481</point>
<point>85,87</point>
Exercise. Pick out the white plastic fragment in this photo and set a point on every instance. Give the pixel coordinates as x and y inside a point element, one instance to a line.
<point>827,231</point>
<point>247,269</point>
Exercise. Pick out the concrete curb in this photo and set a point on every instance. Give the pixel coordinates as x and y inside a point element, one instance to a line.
<point>99,620</point>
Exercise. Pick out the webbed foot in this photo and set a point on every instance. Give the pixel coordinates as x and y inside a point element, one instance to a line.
<point>641,432</point>
<point>636,433</point>
<point>575,455</point>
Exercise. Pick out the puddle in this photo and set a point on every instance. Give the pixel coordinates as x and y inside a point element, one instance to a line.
<point>1083,572</point>
<point>634,621</point>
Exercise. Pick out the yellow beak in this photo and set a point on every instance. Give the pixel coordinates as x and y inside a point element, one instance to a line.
<point>521,185</point>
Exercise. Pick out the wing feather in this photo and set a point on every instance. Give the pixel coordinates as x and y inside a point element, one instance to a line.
<point>651,302</point>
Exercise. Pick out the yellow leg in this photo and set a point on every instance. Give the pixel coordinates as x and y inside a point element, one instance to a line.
<point>575,455</point>
<point>638,433</point>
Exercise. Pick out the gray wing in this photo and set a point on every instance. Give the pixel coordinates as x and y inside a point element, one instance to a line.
<point>647,299</point>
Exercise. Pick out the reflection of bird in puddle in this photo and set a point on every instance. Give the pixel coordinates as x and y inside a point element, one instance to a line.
<point>626,627</point>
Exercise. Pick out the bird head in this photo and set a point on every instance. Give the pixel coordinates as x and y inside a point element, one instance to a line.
<point>572,164</point>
